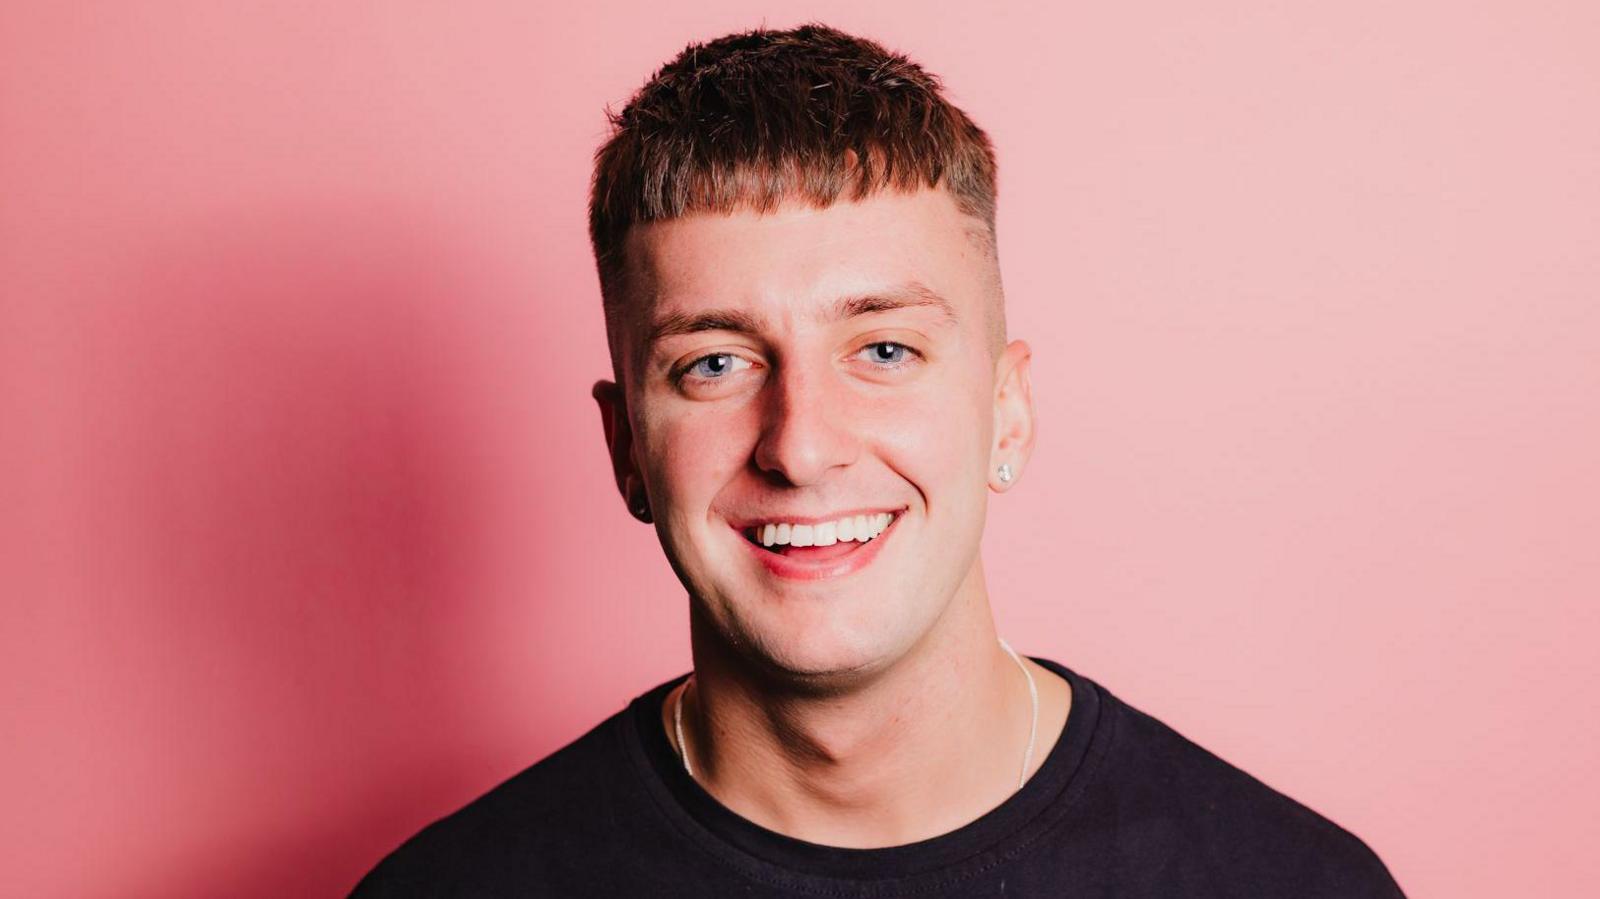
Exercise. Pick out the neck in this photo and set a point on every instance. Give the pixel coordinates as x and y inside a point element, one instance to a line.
<point>924,746</point>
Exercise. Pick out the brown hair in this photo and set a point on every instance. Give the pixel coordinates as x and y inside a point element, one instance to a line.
<point>755,118</point>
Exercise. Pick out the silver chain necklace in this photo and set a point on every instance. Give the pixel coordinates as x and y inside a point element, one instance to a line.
<point>1027,757</point>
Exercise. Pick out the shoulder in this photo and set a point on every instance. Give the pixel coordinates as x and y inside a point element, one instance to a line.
<point>1181,804</point>
<point>504,839</point>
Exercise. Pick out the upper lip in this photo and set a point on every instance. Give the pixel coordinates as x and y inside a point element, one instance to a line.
<point>798,518</point>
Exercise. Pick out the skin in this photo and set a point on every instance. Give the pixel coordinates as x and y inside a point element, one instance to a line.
<point>875,708</point>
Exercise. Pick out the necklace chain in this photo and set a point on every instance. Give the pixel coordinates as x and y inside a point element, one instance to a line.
<point>1027,757</point>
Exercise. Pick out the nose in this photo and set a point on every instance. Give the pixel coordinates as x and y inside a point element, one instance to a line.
<point>805,428</point>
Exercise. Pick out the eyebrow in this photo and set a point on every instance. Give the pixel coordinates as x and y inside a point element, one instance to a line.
<point>911,294</point>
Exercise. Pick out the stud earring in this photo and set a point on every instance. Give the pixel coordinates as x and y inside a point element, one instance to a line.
<point>641,509</point>
<point>1005,474</point>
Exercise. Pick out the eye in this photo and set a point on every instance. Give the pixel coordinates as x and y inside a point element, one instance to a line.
<point>714,366</point>
<point>888,354</point>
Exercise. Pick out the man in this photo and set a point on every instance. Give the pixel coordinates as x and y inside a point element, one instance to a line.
<point>814,397</point>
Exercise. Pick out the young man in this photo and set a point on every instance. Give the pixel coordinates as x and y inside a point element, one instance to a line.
<point>814,397</point>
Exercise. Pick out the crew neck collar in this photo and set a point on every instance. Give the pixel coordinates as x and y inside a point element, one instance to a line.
<point>766,855</point>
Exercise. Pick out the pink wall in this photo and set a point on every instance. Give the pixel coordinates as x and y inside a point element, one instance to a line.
<point>306,531</point>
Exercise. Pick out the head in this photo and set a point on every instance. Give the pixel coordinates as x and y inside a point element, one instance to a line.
<point>795,237</point>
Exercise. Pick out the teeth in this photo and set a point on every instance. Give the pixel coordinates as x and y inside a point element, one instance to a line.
<point>860,528</point>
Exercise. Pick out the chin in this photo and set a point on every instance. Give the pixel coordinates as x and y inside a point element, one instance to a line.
<point>820,662</point>
<point>826,649</point>
<point>819,634</point>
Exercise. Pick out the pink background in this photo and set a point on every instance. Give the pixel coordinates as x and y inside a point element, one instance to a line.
<point>307,535</point>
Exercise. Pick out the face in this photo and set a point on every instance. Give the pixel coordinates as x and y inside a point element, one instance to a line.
<point>814,375</point>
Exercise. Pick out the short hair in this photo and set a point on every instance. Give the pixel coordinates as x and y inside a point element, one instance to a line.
<point>756,118</point>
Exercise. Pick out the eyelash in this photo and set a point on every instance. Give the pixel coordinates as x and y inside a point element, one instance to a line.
<point>684,374</point>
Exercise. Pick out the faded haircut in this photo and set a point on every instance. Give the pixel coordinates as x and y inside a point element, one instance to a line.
<point>757,118</point>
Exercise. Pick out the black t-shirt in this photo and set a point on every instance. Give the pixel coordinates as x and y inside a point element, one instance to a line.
<point>1123,806</point>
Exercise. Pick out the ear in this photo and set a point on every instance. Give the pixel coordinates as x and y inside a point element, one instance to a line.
<point>619,443</point>
<point>1013,415</point>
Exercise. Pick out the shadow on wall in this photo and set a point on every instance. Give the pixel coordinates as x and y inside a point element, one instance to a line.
<point>287,499</point>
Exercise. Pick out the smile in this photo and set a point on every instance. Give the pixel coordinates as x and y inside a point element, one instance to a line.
<point>857,528</point>
<point>819,549</point>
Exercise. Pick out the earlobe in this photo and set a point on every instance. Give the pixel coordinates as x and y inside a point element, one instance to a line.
<point>640,507</point>
<point>619,445</point>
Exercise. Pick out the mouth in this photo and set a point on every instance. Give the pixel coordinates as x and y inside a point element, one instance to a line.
<point>812,551</point>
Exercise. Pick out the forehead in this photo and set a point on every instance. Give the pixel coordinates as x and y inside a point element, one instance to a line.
<point>798,262</point>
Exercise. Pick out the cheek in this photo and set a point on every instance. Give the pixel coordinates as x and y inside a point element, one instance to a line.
<point>936,429</point>
<point>692,451</point>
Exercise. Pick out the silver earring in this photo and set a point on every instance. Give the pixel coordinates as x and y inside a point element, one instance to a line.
<point>1005,474</point>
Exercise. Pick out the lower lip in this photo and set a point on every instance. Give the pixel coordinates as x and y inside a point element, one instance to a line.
<point>790,568</point>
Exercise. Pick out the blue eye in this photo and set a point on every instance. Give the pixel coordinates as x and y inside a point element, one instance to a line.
<point>887,352</point>
<point>713,366</point>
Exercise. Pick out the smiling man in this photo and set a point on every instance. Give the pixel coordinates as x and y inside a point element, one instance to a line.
<point>814,400</point>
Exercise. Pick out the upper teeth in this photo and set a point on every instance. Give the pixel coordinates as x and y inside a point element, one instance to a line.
<point>859,527</point>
